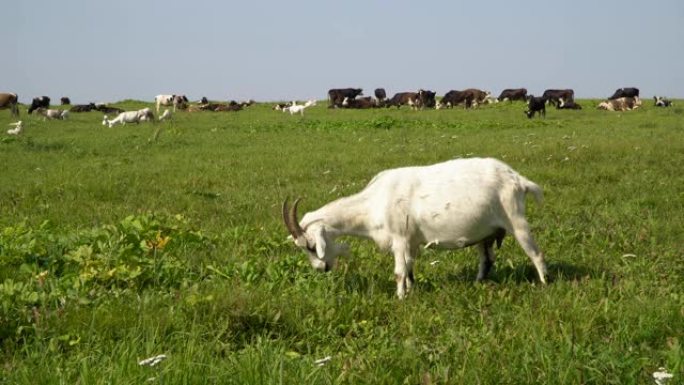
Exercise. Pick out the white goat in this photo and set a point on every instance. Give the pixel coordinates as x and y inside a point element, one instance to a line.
<point>17,128</point>
<point>52,114</point>
<point>129,117</point>
<point>295,108</point>
<point>165,116</point>
<point>448,205</point>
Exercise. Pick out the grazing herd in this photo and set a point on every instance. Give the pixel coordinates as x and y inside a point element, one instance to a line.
<point>562,99</point>
<point>623,99</point>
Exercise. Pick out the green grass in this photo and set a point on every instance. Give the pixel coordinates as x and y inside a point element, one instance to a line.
<point>167,238</point>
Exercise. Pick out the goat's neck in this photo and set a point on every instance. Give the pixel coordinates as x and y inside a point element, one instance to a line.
<point>345,216</point>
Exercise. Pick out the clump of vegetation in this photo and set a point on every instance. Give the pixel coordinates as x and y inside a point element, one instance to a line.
<point>43,270</point>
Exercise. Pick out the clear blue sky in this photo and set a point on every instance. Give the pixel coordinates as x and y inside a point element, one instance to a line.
<point>93,50</point>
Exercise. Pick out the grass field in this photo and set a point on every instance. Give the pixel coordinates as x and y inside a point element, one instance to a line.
<point>118,244</point>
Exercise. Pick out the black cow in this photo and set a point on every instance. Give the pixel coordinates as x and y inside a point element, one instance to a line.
<point>454,98</point>
<point>204,100</point>
<point>83,107</point>
<point>64,100</point>
<point>536,104</point>
<point>105,109</point>
<point>380,94</point>
<point>513,94</point>
<point>403,98</point>
<point>554,96</point>
<point>40,101</point>
<point>628,92</point>
<point>336,95</point>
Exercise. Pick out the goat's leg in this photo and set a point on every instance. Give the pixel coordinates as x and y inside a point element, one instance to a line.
<point>410,261</point>
<point>402,259</point>
<point>526,240</point>
<point>486,250</point>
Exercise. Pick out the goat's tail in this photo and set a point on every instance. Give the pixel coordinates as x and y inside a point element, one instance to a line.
<point>531,187</point>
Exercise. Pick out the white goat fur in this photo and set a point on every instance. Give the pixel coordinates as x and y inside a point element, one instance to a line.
<point>295,108</point>
<point>129,117</point>
<point>447,205</point>
<point>165,116</point>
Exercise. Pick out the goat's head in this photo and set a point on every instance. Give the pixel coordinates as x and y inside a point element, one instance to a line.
<point>315,240</point>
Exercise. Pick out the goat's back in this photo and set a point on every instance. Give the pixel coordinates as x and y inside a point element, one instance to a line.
<point>458,202</point>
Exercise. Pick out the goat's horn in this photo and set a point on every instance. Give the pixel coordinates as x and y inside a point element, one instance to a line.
<point>290,219</point>
<point>293,218</point>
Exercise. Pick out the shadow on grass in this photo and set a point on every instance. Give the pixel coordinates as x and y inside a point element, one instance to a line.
<point>522,274</point>
<point>360,282</point>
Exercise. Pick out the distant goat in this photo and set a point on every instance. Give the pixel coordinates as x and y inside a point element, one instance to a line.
<point>295,108</point>
<point>17,128</point>
<point>165,116</point>
<point>449,205</point>
<point>136,117</point>
<point>51,113</point>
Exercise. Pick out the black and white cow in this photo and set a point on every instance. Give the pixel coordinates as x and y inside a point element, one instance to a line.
<point>40,101</point>
<point>359,103</point>
<point>380,94</point>
<point>627,92</point>
<point>426,99</point>
<point>512,94</point>
<point>554,96</point>
<point>403,99</point>
<point>336,95</point>
<point>569,105</point>
<point>660,101</point>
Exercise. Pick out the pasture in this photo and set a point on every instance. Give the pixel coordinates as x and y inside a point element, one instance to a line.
<point>118,244</point>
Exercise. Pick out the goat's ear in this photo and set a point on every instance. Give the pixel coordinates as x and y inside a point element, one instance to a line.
<point>320,242</point>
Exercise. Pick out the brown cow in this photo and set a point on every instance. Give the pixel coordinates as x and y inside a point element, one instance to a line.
<point>477,97</point>
<point>9,100</point>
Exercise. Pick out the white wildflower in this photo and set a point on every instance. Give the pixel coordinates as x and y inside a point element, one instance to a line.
<point>661,377</point>
<point>322,361</point>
